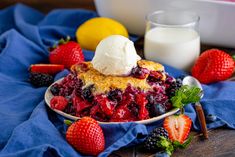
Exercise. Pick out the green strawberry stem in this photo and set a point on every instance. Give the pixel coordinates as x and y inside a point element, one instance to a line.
<point>68,122</point>
<point>62,41</point>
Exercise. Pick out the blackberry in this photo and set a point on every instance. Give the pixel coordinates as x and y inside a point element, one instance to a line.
<point>40,80</point>
<point>151,142</point>
<point>134,108</point>
<point>115,95</point>
<point>175,85</point>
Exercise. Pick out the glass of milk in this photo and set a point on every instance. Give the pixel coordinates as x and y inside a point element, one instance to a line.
<point>172,38</point>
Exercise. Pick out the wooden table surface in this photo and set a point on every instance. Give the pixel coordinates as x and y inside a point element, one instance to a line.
<point>221,142</point>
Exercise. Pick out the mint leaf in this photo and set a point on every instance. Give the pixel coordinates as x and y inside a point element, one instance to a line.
<point>177,144</point>
<point>166,145</point>
<point>185,95</point>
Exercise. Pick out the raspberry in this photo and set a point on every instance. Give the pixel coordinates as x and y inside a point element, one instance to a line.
<point>40,80</point>
<point>59,103</point>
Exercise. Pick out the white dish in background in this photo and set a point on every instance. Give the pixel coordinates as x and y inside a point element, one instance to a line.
<point>48,96</point>
<point>217,18</point>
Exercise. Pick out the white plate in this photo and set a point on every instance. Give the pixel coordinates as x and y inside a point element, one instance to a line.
<point>48,96</point>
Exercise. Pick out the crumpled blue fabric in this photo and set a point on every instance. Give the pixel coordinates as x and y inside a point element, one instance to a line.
<point>28,127</point>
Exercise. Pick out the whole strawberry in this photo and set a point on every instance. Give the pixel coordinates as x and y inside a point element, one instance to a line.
<point>212,66</point>
<point>86,136</point>
<point>66,53</point>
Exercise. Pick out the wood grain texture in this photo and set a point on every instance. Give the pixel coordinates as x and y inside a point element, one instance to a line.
<point>221,143</point>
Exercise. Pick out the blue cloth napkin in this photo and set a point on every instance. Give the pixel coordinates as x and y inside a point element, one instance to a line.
<point>28,127</point>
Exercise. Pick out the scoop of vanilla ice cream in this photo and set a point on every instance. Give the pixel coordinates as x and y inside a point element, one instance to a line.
<point>115,55</point>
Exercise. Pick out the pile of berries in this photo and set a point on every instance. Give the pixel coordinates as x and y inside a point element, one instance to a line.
<point>63,55</point>
<point>132,104</point>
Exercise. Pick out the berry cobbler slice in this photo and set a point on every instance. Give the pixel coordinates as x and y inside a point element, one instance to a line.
<point>143,94</point>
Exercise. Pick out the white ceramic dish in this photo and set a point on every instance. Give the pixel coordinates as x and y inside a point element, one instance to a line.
<point>217,24</point>
<point>48,96</point>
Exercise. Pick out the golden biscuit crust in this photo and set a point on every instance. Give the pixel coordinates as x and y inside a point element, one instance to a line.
<point>104,83</point>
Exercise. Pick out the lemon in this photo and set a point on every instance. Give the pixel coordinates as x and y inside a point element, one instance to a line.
<point>90,33</point>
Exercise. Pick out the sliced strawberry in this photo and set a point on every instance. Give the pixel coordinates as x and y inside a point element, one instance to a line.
<point>46,68</point>
<point>178,127</point>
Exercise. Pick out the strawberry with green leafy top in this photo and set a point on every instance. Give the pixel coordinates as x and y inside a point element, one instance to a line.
<point>66,53</point>
<point>86,136</point>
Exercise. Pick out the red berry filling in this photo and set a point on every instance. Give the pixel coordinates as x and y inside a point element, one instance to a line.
<point>139,72</point>
<point>132,104</point>
<point>106,105</point>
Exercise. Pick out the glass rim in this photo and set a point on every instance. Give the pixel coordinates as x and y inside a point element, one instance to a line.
<point>196,19</point>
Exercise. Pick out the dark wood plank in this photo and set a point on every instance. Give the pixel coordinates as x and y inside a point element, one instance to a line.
<point>221,143</point>
<point>124,152</point>
<point>47,5</point>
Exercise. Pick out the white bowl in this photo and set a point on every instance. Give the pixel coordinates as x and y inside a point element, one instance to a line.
<point>48,96</point>
<point>217,24</point>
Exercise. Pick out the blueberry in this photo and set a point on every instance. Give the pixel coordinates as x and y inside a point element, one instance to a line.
<point>211,118</point>
<point>161,154</point>
<point>87,93</point>
<point>55,90</point>
<point>157,109</point>
<point>139,72</point>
